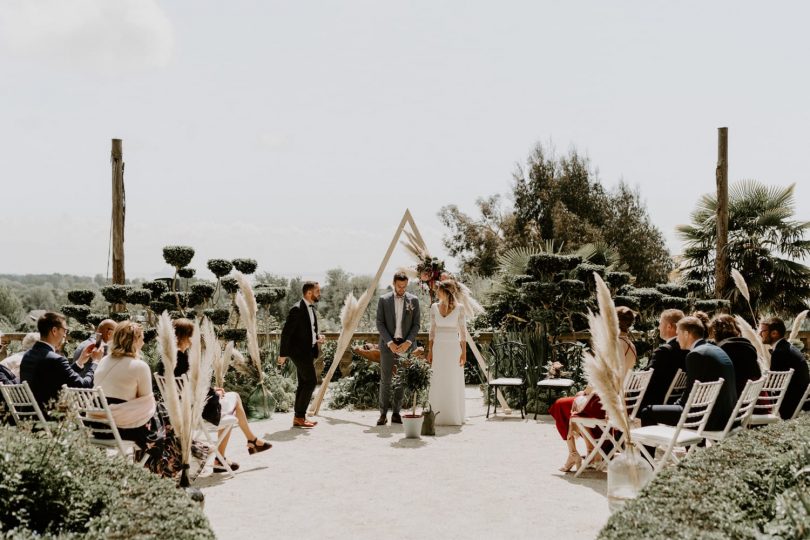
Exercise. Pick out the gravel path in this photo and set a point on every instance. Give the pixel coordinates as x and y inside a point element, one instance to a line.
<point>350,479</point>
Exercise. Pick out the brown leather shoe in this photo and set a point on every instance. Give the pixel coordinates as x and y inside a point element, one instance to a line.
<point>396,418</point>
<point>303,423</point>
<point>382,420</point>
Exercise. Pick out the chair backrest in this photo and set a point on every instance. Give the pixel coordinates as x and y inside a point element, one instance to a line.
<point>699,405</point>
<point>181,381</point>
<point>635,386</point>
<point>773,392</point>
<point>745,405</point>
<point>676,388</point>
<point>802,401</point>
<point>94,414</point>
<point>509,358</point>
<point>22,404</point>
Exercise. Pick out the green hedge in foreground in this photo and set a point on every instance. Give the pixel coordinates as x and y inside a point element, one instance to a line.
<point>745,487</point>
<point>62,487</point>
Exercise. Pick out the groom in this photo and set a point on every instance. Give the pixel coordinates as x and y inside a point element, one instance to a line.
<point>398,324</point>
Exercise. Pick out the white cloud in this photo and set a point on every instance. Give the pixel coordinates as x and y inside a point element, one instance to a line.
<point>91,34</point>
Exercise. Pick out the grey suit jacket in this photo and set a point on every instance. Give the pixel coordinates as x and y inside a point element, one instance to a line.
<point>387,324</point>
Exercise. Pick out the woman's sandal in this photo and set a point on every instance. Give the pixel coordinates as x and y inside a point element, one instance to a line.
<point>219,468</point>
<point>254,447</point>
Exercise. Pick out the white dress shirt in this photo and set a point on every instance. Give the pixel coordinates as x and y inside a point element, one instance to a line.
<point>399,306</point>
<point>311,313</point>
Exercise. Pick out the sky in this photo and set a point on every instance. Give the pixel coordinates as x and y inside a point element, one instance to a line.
<point>297,133</point>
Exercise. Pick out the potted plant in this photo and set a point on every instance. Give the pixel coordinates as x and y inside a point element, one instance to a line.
<point>413,376</point>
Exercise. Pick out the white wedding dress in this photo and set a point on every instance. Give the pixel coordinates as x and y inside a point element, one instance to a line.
<point>447,382</point>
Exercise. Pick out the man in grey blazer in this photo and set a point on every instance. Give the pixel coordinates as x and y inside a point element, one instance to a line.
<point>398,324</point>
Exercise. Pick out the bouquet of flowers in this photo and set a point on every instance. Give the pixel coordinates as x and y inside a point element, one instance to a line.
<point>430,270</point>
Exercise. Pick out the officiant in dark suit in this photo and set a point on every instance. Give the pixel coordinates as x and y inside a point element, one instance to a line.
<point>46,370</point>
<point>299,342</point>
<point>398,324</point>
<point>784,357</point>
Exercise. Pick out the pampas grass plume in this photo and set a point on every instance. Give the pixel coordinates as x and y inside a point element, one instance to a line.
<point>797,325</point>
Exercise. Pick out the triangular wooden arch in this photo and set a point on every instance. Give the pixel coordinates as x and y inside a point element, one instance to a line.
<point>343,344</point>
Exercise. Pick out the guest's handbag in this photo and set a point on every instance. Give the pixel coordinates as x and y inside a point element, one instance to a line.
<point>429,422</point>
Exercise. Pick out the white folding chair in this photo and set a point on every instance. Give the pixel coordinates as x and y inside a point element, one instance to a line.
<point>211,433</point>
<point>802,401</point>
<point>97,421</point>
<point>741,412</point>
<point>676,388</point>
<point>766,411</point>
<point>23,405</point>
<point>635,386</point>
<point>688,433</point>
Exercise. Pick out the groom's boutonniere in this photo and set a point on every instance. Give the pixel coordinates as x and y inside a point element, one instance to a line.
<point>409,305</point>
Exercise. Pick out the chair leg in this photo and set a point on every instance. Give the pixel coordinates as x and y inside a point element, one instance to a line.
<point>489,399</point>
<point>495,406</point>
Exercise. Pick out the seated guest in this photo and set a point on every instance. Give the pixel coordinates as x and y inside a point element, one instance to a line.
<point>46,370</point>
<point>726,334</point>
<point>666,360</point>
<point>12,363</point>
<point>104,332</point>
<point>705,362</point>
<point>127,384</point>
<point>586,404</point>
<point>785,356</point>
<point>219,402</point>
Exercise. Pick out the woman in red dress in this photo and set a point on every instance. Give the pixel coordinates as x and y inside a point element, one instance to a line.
<point>586,403</point>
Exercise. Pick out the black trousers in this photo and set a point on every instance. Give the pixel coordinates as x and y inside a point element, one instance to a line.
<point>307,381</point>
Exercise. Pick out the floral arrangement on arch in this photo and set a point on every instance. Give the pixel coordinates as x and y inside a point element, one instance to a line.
<point>430,270</point>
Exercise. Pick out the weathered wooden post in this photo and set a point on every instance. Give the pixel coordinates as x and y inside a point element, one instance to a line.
<point>722,270</point>
<point>118,211</point>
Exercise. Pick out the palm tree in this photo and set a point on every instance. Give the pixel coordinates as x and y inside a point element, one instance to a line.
<point>765,243</point>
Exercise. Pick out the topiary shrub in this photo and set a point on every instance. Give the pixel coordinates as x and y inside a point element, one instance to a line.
<point>96,318</point>
<point>229,284</point>
<point>584,272</point>
<point>695,286</point>
<point>79,335</point>
<point>203,289</point>
<point>729,490</point>
<point>65,488</point>
<point>115,294</point>
<point>672,289</point>
<point>616,280</point>
<point>178,256</point>
<point>647,297</point>
<point>232,334</point>
<point>219,267</point>
<point>574,289</point>
<point>149,335</point>
<point>186,273</point>
<point>627,301</point>
<point>675,302</point>
<point>712,305</point>
<point>156,287</point>
<point>81,297</point>
<point>172,298</point>
<point>545,265</point>
<point>160,306</point>
<point>120,316</point>
<point>80,313</point>
<point>535,292</point>
<point>267,296</point>
<point>246,266</point>
<point>141,297</point>
<point>218,315</point>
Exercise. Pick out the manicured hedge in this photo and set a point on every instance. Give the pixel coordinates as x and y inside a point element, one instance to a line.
<point>737,489</point>
<point>63,487</point>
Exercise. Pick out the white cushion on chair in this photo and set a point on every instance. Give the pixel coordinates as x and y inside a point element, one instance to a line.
<point>556,383</point>
<point>506,381</point>
<point>660,435</point>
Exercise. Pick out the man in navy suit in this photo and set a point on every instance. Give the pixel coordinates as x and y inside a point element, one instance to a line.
<point>666,360</point>
<point>300,341</point>
<point>46,370</point>
<point>705,362</point>
<point>785,356</point>
<point>398,325</point>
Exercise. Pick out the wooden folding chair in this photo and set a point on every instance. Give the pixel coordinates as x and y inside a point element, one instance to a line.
<point>635,386</point>
<point>766,410</point>
<point>23,405</point>
<point>688,433</point>
<point>97,421</point>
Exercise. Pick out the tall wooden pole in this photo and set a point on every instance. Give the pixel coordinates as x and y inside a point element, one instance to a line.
<point>722,270</point>
<point>118,211</point>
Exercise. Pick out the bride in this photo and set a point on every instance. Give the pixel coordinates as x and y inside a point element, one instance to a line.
<point>447,354</point>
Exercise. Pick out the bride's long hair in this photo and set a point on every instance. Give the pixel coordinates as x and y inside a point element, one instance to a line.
<point>448,287</point>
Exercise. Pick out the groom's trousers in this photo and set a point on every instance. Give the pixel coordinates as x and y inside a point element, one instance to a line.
<point>387,363</point>
<point>305,369</point>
